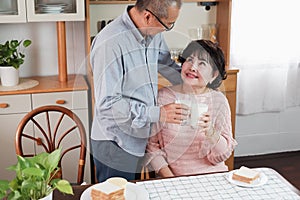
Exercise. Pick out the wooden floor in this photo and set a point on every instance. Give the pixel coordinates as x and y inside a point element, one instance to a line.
<point>287,164</point>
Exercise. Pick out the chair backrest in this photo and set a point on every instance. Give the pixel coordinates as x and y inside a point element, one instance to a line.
<point>47,128</point>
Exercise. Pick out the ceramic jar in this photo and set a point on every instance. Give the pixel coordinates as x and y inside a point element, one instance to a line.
<point>9,76</point>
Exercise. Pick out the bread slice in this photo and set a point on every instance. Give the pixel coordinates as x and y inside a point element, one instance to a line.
<point>119,181</point>
<point>246,175</point>
<point>107,191</point>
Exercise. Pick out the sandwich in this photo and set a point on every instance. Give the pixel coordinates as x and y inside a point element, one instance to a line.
<point>121,182</point>
<point>246,175</point>
<point>111,189</point>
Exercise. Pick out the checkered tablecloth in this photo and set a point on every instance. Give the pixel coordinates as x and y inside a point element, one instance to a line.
<point>216,186</point>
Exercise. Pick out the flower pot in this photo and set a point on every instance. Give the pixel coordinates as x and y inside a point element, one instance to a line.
<point>9,76</point>
<point>49,197</point>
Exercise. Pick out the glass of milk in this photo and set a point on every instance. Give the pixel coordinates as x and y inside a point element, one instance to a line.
<point>198,108</point>
<point>188,103</point>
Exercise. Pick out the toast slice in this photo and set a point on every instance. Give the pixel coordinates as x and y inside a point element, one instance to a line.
<point>246,175</point>
<point>107,191</point>
<point>119,181</point>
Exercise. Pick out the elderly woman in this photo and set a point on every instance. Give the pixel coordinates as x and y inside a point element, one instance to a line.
<point>202,143</point>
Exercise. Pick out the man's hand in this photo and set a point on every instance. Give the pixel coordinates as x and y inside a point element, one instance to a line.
<point>174,113</point>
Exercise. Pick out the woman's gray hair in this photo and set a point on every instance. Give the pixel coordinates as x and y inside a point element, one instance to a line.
<point>158,7</point>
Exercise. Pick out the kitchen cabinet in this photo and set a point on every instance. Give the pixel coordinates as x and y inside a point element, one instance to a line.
<point>223,21</point>
<point>12,11</point>
<point>132,1</point>
<point>12,109</point>
<point>20,11</point>
<point>72,94</point>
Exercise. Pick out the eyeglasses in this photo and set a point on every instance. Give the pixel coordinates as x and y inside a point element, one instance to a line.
<point>168,28</point>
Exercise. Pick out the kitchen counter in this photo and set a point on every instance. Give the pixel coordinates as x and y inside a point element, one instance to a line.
<point>52,84</point>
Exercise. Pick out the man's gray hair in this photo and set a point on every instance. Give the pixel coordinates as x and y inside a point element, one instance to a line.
<point>159,7</point>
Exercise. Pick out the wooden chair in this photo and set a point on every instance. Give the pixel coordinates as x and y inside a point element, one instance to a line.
<point>47,128</point>
<point>147,174</point>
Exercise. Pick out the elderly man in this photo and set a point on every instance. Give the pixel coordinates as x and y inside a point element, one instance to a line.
<point>126,57</point>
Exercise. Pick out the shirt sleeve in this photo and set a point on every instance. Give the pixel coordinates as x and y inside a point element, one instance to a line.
<point>111,103</point>
<point>219,147</point>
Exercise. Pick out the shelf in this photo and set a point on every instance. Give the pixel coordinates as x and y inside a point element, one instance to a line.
<point>111,2</point>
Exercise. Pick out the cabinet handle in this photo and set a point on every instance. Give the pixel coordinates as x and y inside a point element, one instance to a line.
<point>4,105</point>
<point>60,101</point>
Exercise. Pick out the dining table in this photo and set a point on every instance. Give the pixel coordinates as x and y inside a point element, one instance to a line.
<point>220,185</point>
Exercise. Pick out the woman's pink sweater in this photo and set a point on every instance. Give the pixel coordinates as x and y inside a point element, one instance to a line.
<point>187,150</point>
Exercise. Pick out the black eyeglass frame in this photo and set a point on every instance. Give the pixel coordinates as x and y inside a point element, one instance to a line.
<point>159,20</point>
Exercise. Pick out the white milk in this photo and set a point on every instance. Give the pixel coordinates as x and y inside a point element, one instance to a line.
<point>197,110</point>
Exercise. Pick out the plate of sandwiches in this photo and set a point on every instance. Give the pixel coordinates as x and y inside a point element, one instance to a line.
<point>115,188</point>
<point>246,177</point>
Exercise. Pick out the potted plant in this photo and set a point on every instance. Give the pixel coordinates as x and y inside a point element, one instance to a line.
<point>11,57</point>
<point>35,178</point>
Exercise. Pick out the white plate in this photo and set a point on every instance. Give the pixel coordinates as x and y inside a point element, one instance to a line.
<point>132,192</point>
<point>258,182</point>
<point>52,8</point>
<point>53,5</point>
<point>52,11</point>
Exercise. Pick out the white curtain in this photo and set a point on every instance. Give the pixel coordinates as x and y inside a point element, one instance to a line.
<point>265,46</point>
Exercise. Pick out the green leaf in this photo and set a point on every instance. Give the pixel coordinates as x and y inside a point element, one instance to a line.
<point>26,43</point>
<point>15,195</point>
<point>4,186</point>
<point>11,54</point>
<point>31,171</point>
<point>22,162</point>
<point>14,44</point>
<point>2,194</point>
<point>64,186</point>
<point>33,176</point>
<point>14,184</point>
<point>53,159</point>
<point>34,190</point>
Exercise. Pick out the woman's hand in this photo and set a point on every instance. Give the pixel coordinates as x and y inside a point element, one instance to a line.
<point>205,122</point>
<point>174,113</point>
<point>208,128</point>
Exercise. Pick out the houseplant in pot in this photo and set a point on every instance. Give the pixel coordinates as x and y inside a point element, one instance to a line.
<point>11,57</point>
<point>35,178</point>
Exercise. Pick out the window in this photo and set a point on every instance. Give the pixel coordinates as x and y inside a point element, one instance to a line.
<point>265,46</point>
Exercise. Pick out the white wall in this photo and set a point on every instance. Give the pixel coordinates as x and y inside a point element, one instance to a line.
<point>190,16</point>
<point>268,132</point>
<point>41,56</point>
